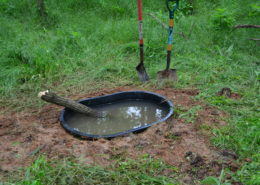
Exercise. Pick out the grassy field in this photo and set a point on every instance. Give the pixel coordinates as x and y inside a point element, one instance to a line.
<point>86,45</point>
<point>143,171</point>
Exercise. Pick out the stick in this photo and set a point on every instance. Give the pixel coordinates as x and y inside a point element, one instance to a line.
<point>158,21</point>
<point>70,104</point>
<point>247,26</point>
<point>165,25</point>
<point>254,39</point>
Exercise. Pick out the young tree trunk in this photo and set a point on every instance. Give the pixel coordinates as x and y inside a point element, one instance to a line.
<point>70,104</point>
<point>41,7</point>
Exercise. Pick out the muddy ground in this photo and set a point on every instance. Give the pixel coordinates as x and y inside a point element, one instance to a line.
<point>184,145</point>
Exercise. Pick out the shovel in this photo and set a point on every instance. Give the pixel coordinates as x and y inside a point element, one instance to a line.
<point>140,67</point>
<point>168,73</point>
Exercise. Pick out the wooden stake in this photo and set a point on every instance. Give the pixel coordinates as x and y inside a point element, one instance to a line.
<point>70,104</point>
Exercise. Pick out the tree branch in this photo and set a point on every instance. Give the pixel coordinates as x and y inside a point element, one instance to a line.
<point>165,25</point>
<point>247,26</point>
<point>158,20</point>
<point>255,39</point>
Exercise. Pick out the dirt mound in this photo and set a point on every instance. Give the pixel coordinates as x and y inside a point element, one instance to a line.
<point>176,141</point>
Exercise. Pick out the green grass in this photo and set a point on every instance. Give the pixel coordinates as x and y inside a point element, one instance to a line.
<point>71,171</point>
<point>88,45</point>
<point>190,115</point>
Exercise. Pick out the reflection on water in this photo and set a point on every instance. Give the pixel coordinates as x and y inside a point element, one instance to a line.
<point>133,112</point>
<point>124,115</point>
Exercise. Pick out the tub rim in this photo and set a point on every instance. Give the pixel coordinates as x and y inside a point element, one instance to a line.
<point>71,130</point>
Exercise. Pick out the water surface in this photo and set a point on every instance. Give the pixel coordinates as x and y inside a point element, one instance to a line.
<point>123,116</point>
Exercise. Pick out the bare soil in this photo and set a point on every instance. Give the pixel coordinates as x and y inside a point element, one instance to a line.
<point>185,145</point>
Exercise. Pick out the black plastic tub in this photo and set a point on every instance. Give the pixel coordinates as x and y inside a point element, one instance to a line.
<point>116,97</point>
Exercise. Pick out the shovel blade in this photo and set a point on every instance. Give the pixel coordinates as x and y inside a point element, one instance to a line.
<point>170,74</point>
<point>143,76</point>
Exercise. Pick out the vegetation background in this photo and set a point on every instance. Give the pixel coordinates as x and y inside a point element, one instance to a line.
<point>86,45</point>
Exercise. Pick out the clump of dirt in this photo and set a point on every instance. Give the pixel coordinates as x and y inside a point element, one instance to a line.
<point>227,92</point>
<point>184,145</point>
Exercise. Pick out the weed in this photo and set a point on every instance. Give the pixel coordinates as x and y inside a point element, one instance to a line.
<point>186,7</point>
<point>216,181</point>
<point>172,136</point>
<point>250,173</point>
<point>205,127</point>
<point>16,143</point>
<point>178,110</point>
<point>191,115</point>
<point>255,10</point>
<point>222,19</point>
